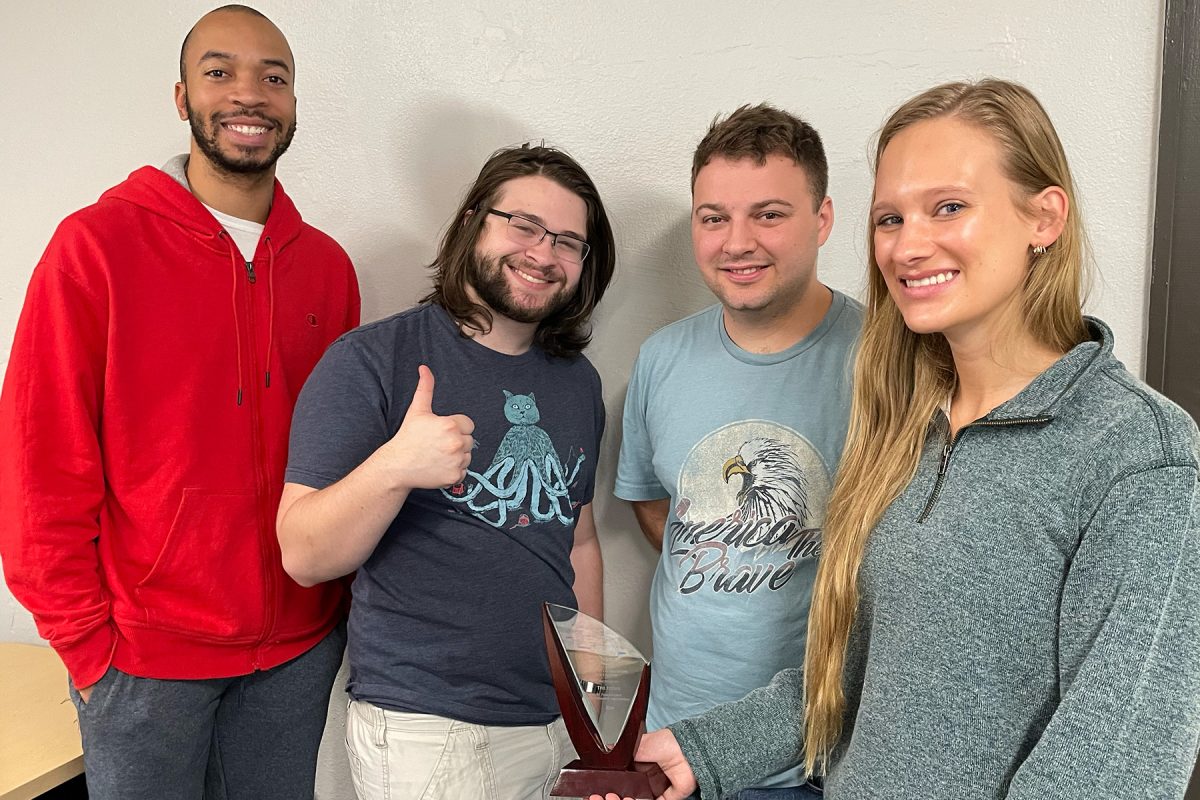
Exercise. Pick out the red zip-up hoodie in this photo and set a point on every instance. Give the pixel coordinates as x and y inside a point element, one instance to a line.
<point>143,435</point>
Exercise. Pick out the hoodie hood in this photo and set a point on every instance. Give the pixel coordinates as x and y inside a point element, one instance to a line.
<point>164,192</point>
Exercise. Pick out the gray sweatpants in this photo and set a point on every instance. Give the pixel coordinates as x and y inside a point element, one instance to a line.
<point>253,737</point>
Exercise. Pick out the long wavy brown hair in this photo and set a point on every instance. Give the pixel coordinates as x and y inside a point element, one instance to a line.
<point>567,331</point>
<point>901,377</point>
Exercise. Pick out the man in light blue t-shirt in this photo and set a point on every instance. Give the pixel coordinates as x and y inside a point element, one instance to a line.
<point>734,421</point>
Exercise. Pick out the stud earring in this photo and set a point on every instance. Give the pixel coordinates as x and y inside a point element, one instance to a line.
<point>1039,249</point>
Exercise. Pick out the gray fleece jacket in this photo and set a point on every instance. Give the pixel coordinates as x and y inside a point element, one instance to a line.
<point>1029,616</point>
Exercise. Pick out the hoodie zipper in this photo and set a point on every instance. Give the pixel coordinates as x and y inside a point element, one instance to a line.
<point>948,450</point>
<point>261,479</point>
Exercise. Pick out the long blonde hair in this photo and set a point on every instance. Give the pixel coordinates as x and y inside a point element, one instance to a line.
<point>901,377</point>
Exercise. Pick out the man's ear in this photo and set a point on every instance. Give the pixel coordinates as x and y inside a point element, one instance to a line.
<point>181,100</point>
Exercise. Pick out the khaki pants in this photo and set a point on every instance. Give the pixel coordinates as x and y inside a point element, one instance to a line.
<point>402,756</point>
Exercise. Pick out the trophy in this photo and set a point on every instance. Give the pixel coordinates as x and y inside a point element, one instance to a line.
<point>603,684</point>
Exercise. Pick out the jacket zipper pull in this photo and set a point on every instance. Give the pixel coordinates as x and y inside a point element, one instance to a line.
<point>250,271</point>
<point>945,459</point>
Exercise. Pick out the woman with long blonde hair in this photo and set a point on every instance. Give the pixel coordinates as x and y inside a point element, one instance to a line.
<point>1008,601</point>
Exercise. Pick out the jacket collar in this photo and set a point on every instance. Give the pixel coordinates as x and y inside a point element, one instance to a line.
<point>1049,390</point>
<point>162,192</point>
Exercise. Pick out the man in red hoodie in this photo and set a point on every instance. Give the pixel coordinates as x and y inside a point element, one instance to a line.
<point>144,420</point>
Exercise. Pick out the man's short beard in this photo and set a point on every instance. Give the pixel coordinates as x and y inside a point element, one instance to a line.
<point>486,277</point>
<point>206,140</point>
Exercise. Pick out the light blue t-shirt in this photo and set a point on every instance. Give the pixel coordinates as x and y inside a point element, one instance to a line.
<point>745,446</point>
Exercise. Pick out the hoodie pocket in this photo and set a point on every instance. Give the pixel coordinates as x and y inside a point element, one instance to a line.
<point>208,578</point>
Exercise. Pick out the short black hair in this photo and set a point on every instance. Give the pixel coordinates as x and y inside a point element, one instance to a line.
<point>231,7</point>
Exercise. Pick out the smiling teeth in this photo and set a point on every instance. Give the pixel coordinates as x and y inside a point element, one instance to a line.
<point>744,270</point>
<point>941,277</point>
<point>248,130</point>
<point>528,277</point>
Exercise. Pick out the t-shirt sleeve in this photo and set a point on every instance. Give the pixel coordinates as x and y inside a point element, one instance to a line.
<point>340,418</point>
<point>598,413</point>
<point>635,468</point>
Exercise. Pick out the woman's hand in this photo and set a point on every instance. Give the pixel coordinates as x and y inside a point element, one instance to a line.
<point>661,748</point>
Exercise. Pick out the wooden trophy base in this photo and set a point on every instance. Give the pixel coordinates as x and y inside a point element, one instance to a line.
<point>642,781</point>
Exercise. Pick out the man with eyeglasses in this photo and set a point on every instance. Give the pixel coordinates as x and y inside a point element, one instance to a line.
<point>733,489</point>
<point>448,454</point>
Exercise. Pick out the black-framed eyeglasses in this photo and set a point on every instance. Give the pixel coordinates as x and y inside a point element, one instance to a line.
<point>526,232</point>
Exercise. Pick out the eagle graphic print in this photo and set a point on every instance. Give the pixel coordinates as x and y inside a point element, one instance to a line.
<point>526,482</point>
<point>750,507</point>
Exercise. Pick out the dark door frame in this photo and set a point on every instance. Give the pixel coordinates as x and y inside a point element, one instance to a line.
<point>1173,318</point>
<point>1173,322</point>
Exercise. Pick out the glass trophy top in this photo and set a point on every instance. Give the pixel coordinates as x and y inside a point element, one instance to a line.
<point>607,668</point>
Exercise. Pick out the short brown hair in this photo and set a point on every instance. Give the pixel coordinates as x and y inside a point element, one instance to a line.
<point>567,331</point>
<point>764,130</point>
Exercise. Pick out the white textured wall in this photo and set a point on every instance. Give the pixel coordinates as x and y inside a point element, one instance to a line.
<point>400,102</point>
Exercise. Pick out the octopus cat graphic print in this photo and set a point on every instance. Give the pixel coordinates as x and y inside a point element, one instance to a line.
<point>526,467</point>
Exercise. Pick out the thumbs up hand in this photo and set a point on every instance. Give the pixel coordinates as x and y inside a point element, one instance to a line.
<point>429,450</point>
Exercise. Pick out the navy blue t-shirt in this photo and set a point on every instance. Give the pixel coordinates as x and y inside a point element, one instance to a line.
<point>446,613</point>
